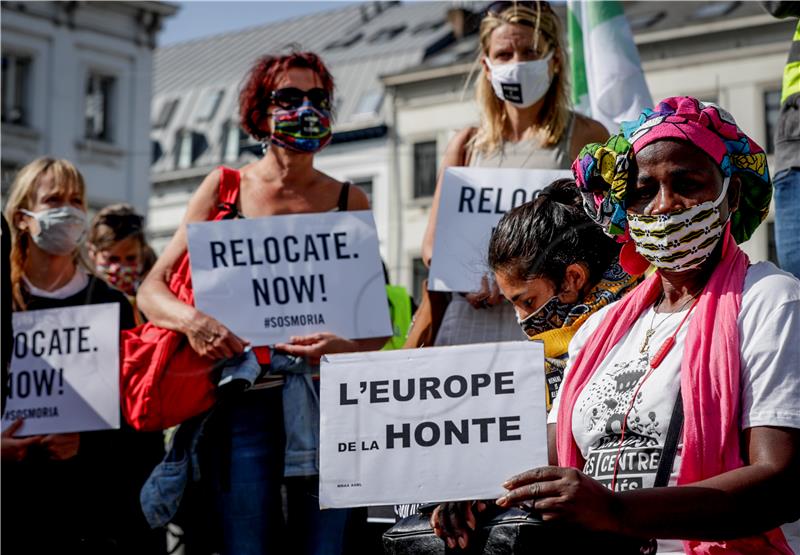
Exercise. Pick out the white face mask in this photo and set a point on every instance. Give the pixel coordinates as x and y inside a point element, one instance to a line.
<point>61,229</point>
<point>680,240</point>
<point>521,83</point>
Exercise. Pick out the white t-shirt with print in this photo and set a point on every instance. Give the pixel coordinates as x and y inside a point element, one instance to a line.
<point>769,328</point>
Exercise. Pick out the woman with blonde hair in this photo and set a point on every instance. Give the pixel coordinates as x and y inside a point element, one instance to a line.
<point>526,122</point>
<point>82,488</point>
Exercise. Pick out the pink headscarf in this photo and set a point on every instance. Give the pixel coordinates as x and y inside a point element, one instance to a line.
<point>710,372</point>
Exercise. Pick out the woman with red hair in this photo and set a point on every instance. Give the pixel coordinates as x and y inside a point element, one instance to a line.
<point>286,104</point>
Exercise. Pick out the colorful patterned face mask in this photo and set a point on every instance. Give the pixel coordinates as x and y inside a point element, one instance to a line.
<point>549,316</point>
<point>124,277</point>
<point>680,240</point>
<point>304,129</point>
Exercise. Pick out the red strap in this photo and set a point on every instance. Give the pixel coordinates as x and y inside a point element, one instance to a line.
<point>229,185</point>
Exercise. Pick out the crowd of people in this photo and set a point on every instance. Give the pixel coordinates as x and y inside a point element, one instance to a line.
<point>631,268</point>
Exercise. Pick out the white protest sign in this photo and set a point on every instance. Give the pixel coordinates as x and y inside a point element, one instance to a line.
<point>472,202</point>
<point>65,370</point>
<point>268,279</point>
<point>434,424</point>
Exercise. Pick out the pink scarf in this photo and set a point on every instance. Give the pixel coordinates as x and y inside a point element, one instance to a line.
<point>709,386</point>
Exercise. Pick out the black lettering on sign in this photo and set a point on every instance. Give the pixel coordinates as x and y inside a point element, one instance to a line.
<point>52,342</point>
<point>465,200</point>
<point>282,290</point>
<point>40,383</point>
<point>429,433</point>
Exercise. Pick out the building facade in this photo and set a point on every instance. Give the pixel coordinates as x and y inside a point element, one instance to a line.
<point>196,89</point>
<point>401,85</point>
<point>76,84</point>
<point>731,53</point>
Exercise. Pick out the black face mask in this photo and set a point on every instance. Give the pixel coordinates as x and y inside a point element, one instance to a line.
<point>550,315</point>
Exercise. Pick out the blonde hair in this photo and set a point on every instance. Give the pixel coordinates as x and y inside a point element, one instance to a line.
<point>555,112</point>
<point>22,196</point>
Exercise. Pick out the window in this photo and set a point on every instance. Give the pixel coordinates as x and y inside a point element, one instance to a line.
<point>156,152</point>
<point>188,148</point>
<point>427,26</point>
<point>16,86</point>
<point>643,21</point>
<point>233,139</point>
<point>346,42</point>
<point>772,110</point>
<point>167,110</point>
<point>99,106</point>
<point>209,104</point>
<point>424,169</point>
<point>712,10</point>
<point>365,184</point>
<point>386,34</point>
<point>420,273</point>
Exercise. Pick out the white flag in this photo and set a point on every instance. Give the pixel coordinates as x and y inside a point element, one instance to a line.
<point>608,82</point>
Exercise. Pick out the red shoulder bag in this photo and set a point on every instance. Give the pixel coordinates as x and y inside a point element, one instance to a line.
<point>163,381</point>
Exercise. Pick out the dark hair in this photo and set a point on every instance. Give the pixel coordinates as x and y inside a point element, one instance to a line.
<point>254,99</point>
<point>542,237</point>
<point>115,223</point>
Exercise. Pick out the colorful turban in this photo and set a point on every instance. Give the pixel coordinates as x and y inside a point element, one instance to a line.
<point>601,170</point>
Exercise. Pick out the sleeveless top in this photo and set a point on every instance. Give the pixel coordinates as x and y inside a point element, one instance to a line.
<point>463,324</point>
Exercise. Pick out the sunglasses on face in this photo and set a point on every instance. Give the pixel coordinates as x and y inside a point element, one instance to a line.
<point>291,97</point>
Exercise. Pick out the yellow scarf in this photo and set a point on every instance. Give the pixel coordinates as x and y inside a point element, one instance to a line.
<point>614,284</point>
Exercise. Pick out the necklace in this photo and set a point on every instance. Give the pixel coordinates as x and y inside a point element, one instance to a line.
<point>651,330</point>
<point>655,362</point>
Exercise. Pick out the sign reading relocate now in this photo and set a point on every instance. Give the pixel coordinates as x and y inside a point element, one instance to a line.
<point>65,370</point>
<point>268,279</point>
<point>472,202</point>
<point>434,424</point>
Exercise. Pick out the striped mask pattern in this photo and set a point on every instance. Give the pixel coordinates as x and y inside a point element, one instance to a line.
<point>680,240</point>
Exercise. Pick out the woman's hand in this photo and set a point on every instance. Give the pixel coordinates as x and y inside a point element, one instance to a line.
<point>488,295</point>
<point>454,521</point>
<point>564,494</point>
<point>61,447</point>
<point>313,346</point>
<point>16,448</point>
<point>209,338</point>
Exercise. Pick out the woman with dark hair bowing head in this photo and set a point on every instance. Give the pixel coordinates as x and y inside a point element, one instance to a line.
<point>286,104</point>
<point>557,268</point>
<point>526,122</point>
<point>709,337</point>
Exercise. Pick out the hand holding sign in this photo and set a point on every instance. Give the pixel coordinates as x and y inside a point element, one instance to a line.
<point>209,338</point>
<point>316,345</point>
<point>443,423</point>
<point>267,279</point>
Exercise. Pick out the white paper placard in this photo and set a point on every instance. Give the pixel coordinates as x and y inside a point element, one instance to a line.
<point>268,279</point>
<point>65,370</point>
<point>472,202</point>
<point>433,424</point>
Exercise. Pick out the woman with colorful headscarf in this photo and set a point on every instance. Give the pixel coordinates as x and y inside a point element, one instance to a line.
<point>708,332</point>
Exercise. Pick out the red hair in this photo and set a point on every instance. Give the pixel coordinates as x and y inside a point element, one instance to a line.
<point>254,99</point>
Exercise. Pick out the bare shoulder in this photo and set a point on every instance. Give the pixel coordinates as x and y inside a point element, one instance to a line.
<point>357,199</point>
<point>587,131</point>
